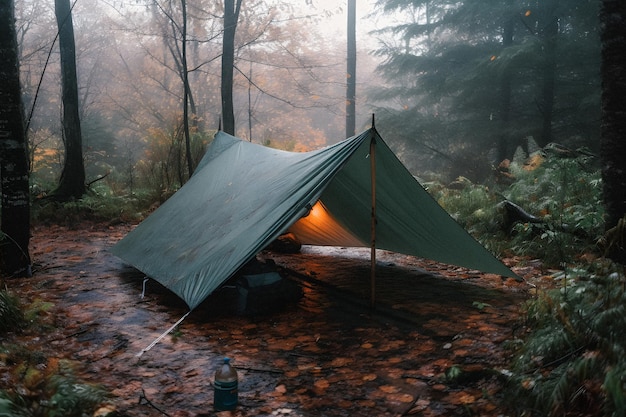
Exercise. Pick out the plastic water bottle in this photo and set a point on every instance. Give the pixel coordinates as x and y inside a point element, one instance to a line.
<point>225,387</point>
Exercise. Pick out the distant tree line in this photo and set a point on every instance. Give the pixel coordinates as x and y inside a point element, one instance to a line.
<point>470,82</point>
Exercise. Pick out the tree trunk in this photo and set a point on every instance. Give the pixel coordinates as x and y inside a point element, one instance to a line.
<point>351,71</point>
<point>613,125</point>
<point>504,145</point>
<point>72,182</point>
<point>231,15</point>
<point>186,90</point>
<point>15,216</point>
<point>548,32</point>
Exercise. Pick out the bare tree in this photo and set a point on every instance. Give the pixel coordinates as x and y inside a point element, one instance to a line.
<point>72,181</point>
<point>13,153</point>
<point>176,42</point>
<point>186,89</point>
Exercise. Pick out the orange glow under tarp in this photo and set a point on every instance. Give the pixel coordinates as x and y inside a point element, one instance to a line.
<point>319,227</point>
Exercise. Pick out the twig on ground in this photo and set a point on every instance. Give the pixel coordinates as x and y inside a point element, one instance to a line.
<point>142,397</point>
<point>271,371</point>
<point>410,407</point>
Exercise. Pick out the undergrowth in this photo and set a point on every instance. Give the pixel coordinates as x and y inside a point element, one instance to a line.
<point>55,392</point>
<point>564,194</point>
<point>11,316</point>
<point>100,203</point>
<point>39,386</point>
<point>573,363</point>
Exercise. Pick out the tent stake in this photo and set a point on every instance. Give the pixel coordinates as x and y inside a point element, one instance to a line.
<point>373,222</point>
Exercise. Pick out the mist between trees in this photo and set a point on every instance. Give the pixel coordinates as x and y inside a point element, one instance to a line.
<point>456,87</point>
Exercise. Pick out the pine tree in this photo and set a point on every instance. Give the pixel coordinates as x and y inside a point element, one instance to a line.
<point>470,76</point>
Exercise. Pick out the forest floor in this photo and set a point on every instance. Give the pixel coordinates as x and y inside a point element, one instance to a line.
<point>329,354</point>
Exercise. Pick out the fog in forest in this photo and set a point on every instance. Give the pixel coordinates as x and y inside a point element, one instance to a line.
<point>499,108</point>
<point>456,87</point>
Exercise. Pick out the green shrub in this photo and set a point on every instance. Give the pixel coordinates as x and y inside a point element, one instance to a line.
<point>39,386</point>
<point>62,396</point>
<point>475,208</point>
<point>11,316</point>
<point>70,397</point>
<point>574,361</point>
<point>566,193</point>
<point>99,204</point>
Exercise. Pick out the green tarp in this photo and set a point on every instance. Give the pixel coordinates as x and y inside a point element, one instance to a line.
<point>243,196</point>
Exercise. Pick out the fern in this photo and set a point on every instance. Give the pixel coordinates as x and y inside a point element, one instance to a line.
<point>615,387</point>
<point>68,398</point>
<point>13,407</point>
<point>567,195</point>
<point>576,355</point>
<point>71,398</point>
<point>11,317</point>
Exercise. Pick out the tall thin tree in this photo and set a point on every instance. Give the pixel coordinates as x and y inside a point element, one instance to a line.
<point>504,145</point>
<point>13,153</point>
<point>548,32</point>
<point>72,181</point>
<point>231,16</point>
<point>186,90</point>
<point>351,71</point>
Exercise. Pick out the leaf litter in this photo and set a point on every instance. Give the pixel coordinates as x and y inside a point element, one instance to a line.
<point>327,355</point>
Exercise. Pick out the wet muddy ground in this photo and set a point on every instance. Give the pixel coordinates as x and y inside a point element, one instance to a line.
<point>329,354</point>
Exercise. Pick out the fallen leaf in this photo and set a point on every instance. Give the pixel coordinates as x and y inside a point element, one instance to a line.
<point>388,388</point>
<point>321,384</point>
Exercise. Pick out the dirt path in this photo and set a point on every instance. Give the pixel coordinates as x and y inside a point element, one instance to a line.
<point>329,355</point>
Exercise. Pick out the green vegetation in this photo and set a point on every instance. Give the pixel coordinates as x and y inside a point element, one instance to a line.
<point>11,316</point>
<point>472,78</point>
<point>99,204</point>
<point>59,394</point>
<point>574,361</point>
<point>119,189</point>
<point>41,386</point>
<point>565,194</point>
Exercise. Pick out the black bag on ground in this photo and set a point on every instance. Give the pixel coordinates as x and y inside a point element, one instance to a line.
<point>262,290</point>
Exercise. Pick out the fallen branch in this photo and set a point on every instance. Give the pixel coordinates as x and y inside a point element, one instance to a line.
<point>418,377</point>
<point>514,214</point>
<point>97,179</point>
<point>270,371</point>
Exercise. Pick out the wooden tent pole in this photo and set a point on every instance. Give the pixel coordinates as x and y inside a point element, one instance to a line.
<point>373,219</point>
